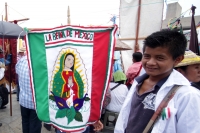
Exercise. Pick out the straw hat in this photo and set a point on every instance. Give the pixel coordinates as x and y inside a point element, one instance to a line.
<point>190,58</point>
<point>22,49</point>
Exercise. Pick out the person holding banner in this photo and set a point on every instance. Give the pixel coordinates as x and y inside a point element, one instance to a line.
<point>30,121</point>
<point>20,54</point>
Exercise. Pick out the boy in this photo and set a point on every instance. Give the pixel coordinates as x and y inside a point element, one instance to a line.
<point>161,52</point>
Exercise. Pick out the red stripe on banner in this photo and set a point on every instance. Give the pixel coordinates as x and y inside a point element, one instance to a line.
<point>111,69</point>
<point>50,43</point>
<point>99,71</point>
<point>29,65</point>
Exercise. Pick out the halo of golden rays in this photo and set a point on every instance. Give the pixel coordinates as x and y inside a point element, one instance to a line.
<point>77,64</point>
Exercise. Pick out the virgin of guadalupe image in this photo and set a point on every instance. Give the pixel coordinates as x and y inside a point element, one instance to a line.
<point>68,88</point>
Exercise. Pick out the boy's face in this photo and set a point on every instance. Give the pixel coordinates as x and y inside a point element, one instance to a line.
<point>158,62</point>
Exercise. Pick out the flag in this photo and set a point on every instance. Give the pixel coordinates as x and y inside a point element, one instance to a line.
<point>69,70</point>
<point>165,113</point>
<point>193,46</point>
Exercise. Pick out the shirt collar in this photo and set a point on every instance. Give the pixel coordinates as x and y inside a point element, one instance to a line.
<point>141,78</point>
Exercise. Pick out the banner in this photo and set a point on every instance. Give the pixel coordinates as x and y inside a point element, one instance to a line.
<point>70,68</point>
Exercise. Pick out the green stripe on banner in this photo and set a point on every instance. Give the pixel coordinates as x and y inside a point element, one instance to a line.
<point>71,44</point>
<point>40,74</point>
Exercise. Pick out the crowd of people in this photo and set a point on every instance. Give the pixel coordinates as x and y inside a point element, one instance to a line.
<point>164,67</point>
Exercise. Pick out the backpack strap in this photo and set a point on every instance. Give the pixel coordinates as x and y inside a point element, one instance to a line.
<point>162,105</point>
<point>114,87</point>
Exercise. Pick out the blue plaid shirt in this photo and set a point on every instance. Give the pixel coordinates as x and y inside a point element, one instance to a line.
<point>25,95</point>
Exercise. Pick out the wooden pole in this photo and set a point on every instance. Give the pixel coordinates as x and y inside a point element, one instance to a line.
<point>122,62</point>
<point>68,16</point>
<point>6,12</point>
<point>138,24</point>
<point>9,69</point>
<point>132,38</point>
<point>9,66</point>
<point>18,20</point>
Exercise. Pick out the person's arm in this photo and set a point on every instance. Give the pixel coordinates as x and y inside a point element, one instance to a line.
<point>98,126</point>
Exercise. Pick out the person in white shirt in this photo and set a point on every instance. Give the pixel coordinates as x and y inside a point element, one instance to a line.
<point>118,92</point>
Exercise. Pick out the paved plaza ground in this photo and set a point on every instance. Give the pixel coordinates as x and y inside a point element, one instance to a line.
<point>13,124</point>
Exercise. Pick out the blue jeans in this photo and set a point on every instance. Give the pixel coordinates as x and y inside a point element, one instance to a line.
<point>30,121</point>
<point>18,89</point>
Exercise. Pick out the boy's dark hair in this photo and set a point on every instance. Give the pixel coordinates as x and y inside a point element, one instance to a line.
<point>173,40</point>
<point>137,56</point>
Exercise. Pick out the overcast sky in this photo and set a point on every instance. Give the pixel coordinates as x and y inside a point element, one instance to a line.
<point>52,13</point>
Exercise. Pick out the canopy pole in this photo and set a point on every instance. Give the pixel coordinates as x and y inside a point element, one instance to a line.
<point>6,12</point>
<point>122,62</point>
<point>68,16</point>
<point>138,25</point>
<point>9,66</point>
